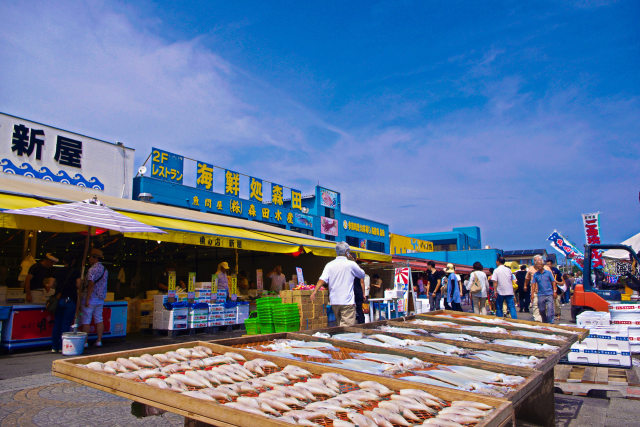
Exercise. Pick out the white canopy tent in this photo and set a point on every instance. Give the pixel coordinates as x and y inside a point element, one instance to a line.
<point>633,241</point>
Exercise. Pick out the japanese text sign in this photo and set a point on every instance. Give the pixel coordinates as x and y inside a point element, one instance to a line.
<point>300,276</point>
<point>255,189</point>
<point>565,247</point>
<point>296,199</point>
<point>591,223</point>
<point>204,176</point>
<point>191,286</point>
<point>231,183</point>
<point>166,166</point>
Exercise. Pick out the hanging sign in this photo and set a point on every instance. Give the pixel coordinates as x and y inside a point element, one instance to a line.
<point>171,284</point>
<point>259,282</point>
<point>300,276</point>
<point>233,286</point>
<point>214,285</point>
<point>566,248</point>
<point>191,287</point>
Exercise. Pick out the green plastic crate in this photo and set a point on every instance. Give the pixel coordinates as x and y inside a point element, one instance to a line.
<point>267,328</point>
<point>252,326</point>
<point>287,327</point>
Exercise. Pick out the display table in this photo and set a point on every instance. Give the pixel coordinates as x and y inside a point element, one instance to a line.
<point>30,325</point>
<point>390,308</point>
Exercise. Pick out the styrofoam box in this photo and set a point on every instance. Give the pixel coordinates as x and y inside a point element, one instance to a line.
<point>626,322</point>
<point>580,356</point>
<point>617,358</point>
<point>635,348</point>
<point>612,338</point>
<point>586,344</point>
<point>616,309</point>
<point>588,319</point>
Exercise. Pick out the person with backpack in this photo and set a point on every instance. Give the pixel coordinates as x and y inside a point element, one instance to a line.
<point>478,287</point>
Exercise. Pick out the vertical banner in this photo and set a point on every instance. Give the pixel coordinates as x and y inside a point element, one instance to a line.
<point>566,248</point>
<point>300,276</point>
<point>214,285</point>
<point>204,176</point>
<point>171,285</point>
<point>233,287</point>
<point>591,222</point>
<point>259,283</point>
<point>191,286</point>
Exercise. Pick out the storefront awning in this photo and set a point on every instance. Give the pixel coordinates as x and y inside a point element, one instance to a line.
<point>182,225</point>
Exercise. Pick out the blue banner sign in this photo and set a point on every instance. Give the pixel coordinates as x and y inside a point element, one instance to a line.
<point>167,166</point>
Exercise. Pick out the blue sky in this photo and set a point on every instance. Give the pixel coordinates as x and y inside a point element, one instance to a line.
<point>513,116</point>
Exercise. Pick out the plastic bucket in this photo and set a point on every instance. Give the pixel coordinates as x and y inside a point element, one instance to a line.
<point>73,343</point>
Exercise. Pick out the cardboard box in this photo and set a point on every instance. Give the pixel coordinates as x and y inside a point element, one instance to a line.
<point>583,356</point>
<point>301,292</point>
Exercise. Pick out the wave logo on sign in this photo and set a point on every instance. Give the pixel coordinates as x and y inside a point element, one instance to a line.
<point>47,175</point>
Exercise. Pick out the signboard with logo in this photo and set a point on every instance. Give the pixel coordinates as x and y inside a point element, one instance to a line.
<point>408,245</point>
<point>328,198</point>
<point>39,151</point>
<point>329,226</point>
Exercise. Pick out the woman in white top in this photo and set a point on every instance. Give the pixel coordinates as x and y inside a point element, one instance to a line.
<point>479,298</point>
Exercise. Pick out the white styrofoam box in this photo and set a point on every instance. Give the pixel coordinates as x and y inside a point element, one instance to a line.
<point>611,338</point>
<point>588,319</point>
<point>617,358</point>
<point>619,308</point>
<point>635,348</point>
<point>585,344</point>
<point>583,356</point>
<point>216,307</point>
<point>626,322</point>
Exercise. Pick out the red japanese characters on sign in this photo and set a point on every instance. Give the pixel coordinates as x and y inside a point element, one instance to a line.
<point>591,223</point>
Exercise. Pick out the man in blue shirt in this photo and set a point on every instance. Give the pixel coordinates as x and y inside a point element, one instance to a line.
<point>543,284</point>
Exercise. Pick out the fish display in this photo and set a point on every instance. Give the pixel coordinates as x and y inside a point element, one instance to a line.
<point>506,322</point>
<point>292,394</point>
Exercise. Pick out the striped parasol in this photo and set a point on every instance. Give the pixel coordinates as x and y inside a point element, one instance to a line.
<point>90,212</point>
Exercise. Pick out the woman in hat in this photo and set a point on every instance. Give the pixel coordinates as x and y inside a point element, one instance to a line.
<point>221,276</point>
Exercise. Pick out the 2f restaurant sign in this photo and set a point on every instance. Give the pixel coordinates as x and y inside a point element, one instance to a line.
<point>38,151</point>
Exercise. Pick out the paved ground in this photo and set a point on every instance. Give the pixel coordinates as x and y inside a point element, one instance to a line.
<point>31,396</point>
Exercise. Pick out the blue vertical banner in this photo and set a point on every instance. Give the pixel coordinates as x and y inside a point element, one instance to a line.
<point>204,176</point>
<point>231,183</point>
<point>277,195</point>
<point>255,189</point>
<point>166,166</point>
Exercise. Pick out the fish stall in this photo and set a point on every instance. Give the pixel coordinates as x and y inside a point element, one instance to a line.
<point>213,384</point>
<point>415,339</point>
<point>407,363</point>
<point>554,344</point>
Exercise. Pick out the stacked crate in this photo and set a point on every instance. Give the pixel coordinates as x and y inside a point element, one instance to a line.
<point>265,313</point>
<point>313,314</point>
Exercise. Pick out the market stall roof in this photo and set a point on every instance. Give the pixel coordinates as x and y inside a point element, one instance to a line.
<point>182,225</point>
<point>633,241</point>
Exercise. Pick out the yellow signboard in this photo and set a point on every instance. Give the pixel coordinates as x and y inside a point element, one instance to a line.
<point>233,285</point>
<point>408,245</point>
<point>192,282</point>
<point>214,285</point>
<point>171,285</point>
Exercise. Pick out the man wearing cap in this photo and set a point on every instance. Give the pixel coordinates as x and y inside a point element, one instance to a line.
<point>37,273</point>
<point>96,291</point>
<point>339,275</point>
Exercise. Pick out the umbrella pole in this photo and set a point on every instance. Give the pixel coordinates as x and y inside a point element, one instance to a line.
<point>86,251</point>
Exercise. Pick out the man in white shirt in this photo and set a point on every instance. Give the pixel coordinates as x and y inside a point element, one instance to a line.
<point>339,275</point>
<point>503,277</point>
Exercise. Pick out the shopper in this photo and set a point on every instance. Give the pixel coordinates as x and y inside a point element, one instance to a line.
<point>503,278</point>
<point>543,285</point>
<point>433,279</point>
<point>377,288</point>
<point>339,275</point>
<point>278,279</point>
<point>454,288</point>
<point>523,292</point>
<point>557,277</point>
<point>67,296</point>
<point>478,298</point>
<point>358,296</point>
<point>94,294</point>
<point>37,273</point>
<point>568,283</point>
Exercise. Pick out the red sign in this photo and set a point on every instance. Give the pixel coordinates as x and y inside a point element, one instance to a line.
<point>402,276</point>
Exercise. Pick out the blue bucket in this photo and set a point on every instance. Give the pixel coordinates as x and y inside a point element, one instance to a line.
<point>73,343</point>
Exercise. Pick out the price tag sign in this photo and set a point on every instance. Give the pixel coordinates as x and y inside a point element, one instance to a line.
<point>233,285</point>
<point>259,283</point>
<point>191,287</point>
<point>171,285</point>
<point>214,285</point>
<point>300,276</point>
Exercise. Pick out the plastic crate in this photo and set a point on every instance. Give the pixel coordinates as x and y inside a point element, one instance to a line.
<point>252,326</point>
<point>267,328</point>
<point>286,327</point>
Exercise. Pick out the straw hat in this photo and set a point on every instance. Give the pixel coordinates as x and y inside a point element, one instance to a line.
<point>450,268</point>
<point>224,264</point>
